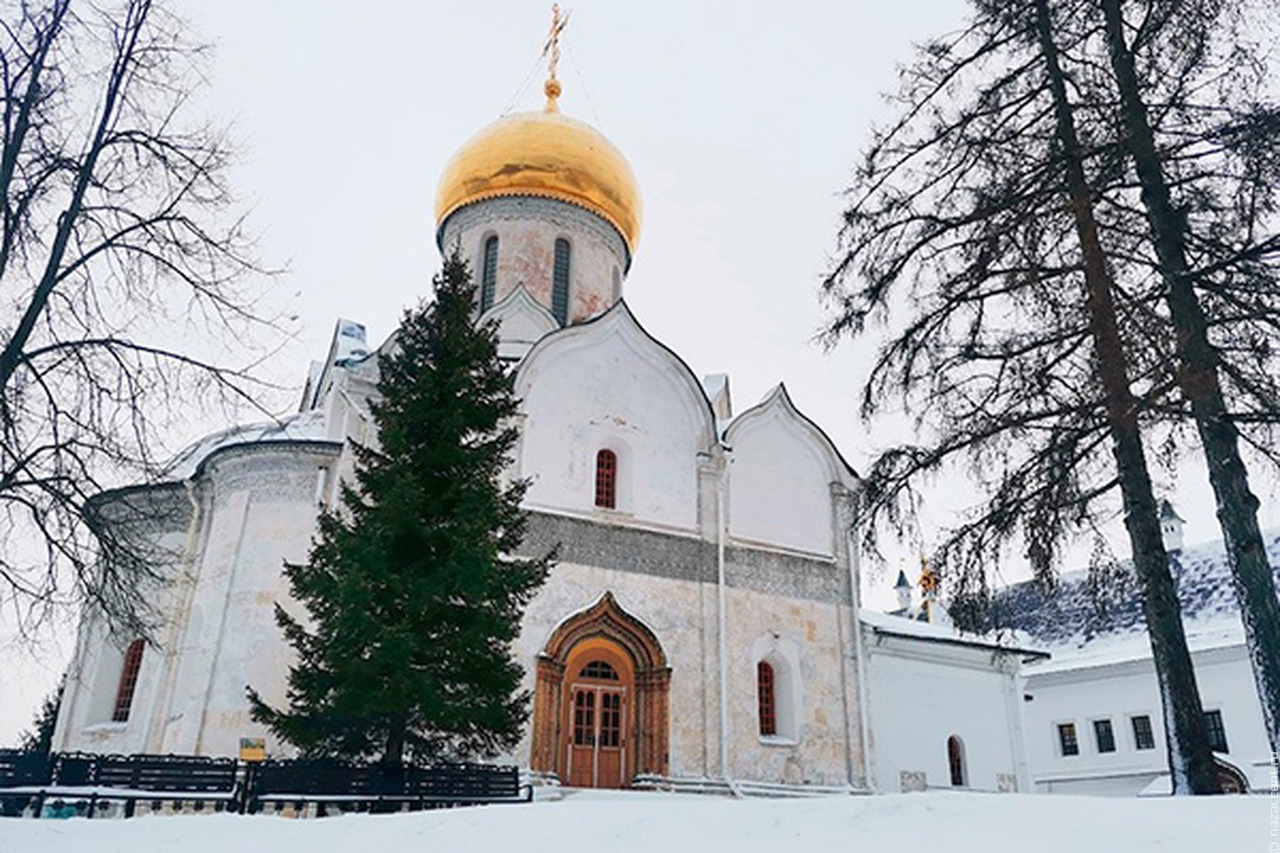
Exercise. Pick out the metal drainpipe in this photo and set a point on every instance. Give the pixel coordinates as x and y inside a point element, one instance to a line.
<point>864,697</point>
<point>721,534</point>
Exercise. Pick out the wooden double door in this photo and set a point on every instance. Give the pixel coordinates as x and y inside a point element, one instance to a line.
<point>598,693</point>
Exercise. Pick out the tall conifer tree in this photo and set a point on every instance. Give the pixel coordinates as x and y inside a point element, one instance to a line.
<point>412,587</point>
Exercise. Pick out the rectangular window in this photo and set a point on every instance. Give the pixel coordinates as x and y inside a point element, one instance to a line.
<point>1104,736</point>
<point>1143,738</point>
<point>1067,739</point>
<point>1217,732</point>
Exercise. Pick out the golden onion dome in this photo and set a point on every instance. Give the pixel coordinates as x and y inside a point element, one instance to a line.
<point>548,155</point>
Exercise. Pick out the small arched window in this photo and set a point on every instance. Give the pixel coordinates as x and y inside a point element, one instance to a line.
<point>128,681</point>
<point>599,669</point>
<point>560,283</point>
<point>607,479</point>
<point>955,760</point>
<point>766,694</point>
<point>489,273</point>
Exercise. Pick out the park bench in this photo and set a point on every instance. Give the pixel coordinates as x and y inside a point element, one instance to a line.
<point>20,773</point>
<point>341,786</point>
<point>79,782</point>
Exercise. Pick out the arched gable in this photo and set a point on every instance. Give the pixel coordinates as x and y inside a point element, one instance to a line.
<point>606,618</point>
<point>780,477</point>
<point>522,322</point>
<point>608,384</point>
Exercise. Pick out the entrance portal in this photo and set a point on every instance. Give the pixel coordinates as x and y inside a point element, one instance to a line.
<point>600,709</point>
<point>596,700</point>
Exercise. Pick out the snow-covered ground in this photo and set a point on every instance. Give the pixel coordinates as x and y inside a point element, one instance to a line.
<point>666,823</point>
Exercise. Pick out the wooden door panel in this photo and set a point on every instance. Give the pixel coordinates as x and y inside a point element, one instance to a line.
<point>610,741</point>
<point>595,724</point>
<point>582,739</point>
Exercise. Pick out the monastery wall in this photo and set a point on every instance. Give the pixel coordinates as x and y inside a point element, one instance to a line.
<point>922,693</point>
<point>1118,689</point>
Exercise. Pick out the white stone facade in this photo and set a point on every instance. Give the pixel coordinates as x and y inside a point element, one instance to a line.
<point>726,546</point>
<point>1081,690</point>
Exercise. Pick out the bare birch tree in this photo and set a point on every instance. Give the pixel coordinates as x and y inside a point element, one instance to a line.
<point>120,249</point>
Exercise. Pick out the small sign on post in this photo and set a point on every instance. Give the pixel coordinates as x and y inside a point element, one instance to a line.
<point>253,749</point>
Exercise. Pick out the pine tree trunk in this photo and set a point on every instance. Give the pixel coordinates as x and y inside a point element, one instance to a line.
<point>1186,737</point>
<point>1198,380</point>
<point>394,753</point>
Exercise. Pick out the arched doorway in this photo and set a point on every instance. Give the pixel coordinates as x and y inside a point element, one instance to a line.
<point>599,688</point>
<point>600,706</point>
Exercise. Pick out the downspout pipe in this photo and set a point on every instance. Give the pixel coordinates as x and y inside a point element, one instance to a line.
<point>859,651</point>
<point>722,533</point>
<point>844,513</point>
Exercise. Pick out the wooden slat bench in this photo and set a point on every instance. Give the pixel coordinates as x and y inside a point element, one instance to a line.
<point>86,780</point>
<point>22,775</point>
<point>334,785</point>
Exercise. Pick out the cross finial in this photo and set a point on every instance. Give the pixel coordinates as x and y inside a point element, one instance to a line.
<point>551,50</point>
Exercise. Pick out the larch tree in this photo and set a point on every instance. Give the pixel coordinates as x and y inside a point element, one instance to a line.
<point>126,273</point>
<point>413,591</point>
<point>1193,160</point>
<point>1033,343</point>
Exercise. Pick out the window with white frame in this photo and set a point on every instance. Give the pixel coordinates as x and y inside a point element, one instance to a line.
<point>1104,737</point>
<point>1068,742</point>
<point>1143,736</point>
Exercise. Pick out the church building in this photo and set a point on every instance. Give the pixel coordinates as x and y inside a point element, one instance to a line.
<point>702,629</point>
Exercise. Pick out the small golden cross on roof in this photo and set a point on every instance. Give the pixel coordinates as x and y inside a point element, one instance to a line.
<point>552,49</point>
<point>552,46</point>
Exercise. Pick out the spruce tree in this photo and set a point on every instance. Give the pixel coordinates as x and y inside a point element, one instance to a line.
<point>40,737</point>
<point>412,588</point>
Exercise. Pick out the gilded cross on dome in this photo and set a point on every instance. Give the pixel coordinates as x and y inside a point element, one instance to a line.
<point>552,50</point>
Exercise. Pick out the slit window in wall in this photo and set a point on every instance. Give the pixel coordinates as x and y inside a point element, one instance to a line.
<point>767,699</point>
<point>128,681</point>
<point>560,283</point>
<point>955,761</point>
<point>489,274</point>
<point>607,479</point>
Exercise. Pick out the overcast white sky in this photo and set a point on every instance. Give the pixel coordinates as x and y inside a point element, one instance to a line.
<point>741,120</point>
